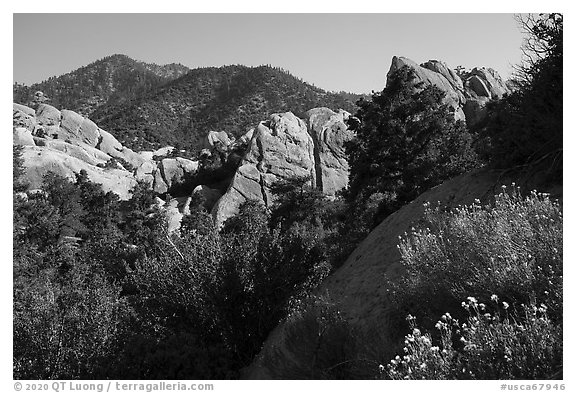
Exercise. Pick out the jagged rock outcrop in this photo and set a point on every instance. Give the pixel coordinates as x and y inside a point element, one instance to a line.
<point>283,148</point>
<point>481,86</point>
<point>467,97</point>
<point>217,140</point>
<point>39,160</point>
<point>443,79</point>
<point>329,133</point>
<point>173,170</point>
<point>280,148</point>
<point>65,142</point>
<point>359,287</point>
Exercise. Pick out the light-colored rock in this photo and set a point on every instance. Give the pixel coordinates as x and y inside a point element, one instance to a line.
<point>159,185</point>
<point>245,139</point>
<point>86,153</point>
<point>330,133</point>
<point>146,154</point>
<point>173,215</point>
<point>218,140</point>
<point>77,128</point>
<point>48,115</point>
<point>448,73</point>
<point>146,171</point>
<point>23,117</point>
<point>454,97</point>
<point>22,136</point>
<point>280,148</point>
<point>38,161</point>
<point>468,98</point>
<point>163,151</point>
<point>481,86</point>
<point>111,146</point>
<point>494,84</point>
<point>174,170</point>
<point>477,86</point>
<point>25,109</point>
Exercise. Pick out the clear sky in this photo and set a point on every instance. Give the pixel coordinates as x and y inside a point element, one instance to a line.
<point>350,52</point>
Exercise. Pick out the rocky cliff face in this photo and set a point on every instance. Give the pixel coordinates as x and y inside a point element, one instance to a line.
<point>329,133</point>
<point>283,147</point>
<point>66,143</point>
<point>466,97</point>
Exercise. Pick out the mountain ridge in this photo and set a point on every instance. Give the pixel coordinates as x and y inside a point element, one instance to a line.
<point>170,106</point>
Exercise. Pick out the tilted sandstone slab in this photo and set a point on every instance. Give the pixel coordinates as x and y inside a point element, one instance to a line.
<point>38,161</point>
<point>329,133</point>
<point>280,149</point>
<point>437,76</point>
<point>467,97</point>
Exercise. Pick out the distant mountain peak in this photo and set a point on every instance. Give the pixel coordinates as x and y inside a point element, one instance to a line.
<point>111,79</point>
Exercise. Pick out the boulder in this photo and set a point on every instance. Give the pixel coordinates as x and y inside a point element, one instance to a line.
<point>245,139</point>
<point>111,146</point>
<point>217,140</point>
<point>481,86</point>
<point>159,185</point>
<point>48,115</point>
<point>162,152</point>
<point>22,136</point>
<point>442,79</point>
<point>77,128</point>
<point>146,172</point>
<point>329,133</point>
<point>173,215</point>
<point>23,117</point>
<point>490,79</point>
<point>477,86</point>
<point>174,170</point>
<point>280,148</point>
<point>38,161</point>
<point>448,73</point>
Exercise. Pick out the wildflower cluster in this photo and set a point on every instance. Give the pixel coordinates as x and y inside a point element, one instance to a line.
<point>494,345</point>
<point>422,359</point>
<point>512,248</point>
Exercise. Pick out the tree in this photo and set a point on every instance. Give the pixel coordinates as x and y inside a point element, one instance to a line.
<point>525,128</point>
<point>408,142</point>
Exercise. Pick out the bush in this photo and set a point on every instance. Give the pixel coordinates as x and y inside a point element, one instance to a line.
<point>408,142</point>
<point>512,249</point>
<point>525,128</point>
<point>318,344</point>
<point>495,345</point>
<point>66,323</point>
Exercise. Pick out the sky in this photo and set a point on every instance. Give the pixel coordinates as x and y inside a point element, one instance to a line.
<point>350,52</point>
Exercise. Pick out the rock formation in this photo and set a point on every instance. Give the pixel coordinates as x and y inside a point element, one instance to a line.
<point>65,142</point>
<point>280,148</point>
<point>329,133</point>
<point>466,97</point>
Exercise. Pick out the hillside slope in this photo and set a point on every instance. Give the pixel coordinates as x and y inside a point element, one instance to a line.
<point>112,80</point>
<point>231,98</point>
<point>360,288</point>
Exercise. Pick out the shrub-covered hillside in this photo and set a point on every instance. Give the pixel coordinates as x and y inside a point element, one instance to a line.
<point>230,98</point>
<point>113,79</point>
